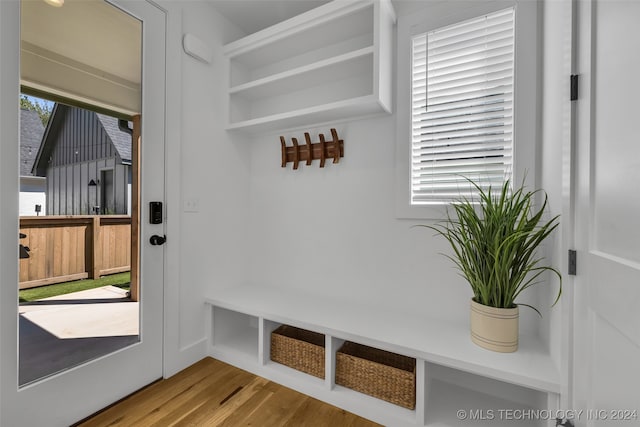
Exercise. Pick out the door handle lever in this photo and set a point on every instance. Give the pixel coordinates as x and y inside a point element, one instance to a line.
<point>156,240</point>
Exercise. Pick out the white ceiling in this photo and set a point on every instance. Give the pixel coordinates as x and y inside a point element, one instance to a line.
<point>88,31</point>
<point>86,52</point>
<point>255,15</point>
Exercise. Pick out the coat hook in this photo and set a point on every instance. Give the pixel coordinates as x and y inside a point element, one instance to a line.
<point>312,150</point>
<point>296,153</point>
<point>323,147</point>
<point>336,146</point>
<point>307,139</point>
<point>284,151</point>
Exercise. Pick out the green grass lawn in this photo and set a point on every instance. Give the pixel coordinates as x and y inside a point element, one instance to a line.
<point>121,280</point>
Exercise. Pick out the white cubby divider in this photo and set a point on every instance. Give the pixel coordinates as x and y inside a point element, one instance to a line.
<point>451,372</point>
<point>331,63</point>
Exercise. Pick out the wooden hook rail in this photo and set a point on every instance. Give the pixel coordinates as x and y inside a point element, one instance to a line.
<point>333,149</point>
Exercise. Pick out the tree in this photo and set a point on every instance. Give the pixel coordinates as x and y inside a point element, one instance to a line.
<point>40,106</point>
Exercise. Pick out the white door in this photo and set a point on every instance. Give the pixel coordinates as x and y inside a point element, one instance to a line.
<point>72,395</point>
<point>607,286</point>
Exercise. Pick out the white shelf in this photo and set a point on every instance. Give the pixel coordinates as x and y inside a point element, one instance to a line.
<point>336,27</point>
<point>451,373</point>
<point>354,399</point>
<point>320,73</point>
<point>284,371</point>
<point>331,63</point>
<point>414,335</point>
<point>334,111</point>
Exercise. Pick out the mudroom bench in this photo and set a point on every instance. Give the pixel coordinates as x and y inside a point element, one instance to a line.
<point>456,382</point>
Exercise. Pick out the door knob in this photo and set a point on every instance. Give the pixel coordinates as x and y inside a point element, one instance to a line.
<point>156,240</point>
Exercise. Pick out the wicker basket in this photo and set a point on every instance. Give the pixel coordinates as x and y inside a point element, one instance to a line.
<point>299,349</point>
<point>378,373</point>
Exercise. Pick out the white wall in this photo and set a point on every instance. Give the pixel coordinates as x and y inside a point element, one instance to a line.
<point>32,193</point>
<point>205,249</point>
<point>334,230</point>
<point>28,201</point>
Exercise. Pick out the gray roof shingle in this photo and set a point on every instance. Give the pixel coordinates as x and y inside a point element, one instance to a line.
<point>121,140</point>
<point>31,130</point>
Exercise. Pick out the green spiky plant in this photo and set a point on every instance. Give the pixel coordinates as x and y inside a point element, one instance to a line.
<point>494,242</point>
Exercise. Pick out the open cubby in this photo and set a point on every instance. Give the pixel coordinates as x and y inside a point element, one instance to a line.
<point>263,58</point>
<point>236,333</point>
<point>331,63</point>
<point>300,349</point>
<point>451,373</point>
<point>486,402</point>
<point>304,90</point>
<point>378,373</point>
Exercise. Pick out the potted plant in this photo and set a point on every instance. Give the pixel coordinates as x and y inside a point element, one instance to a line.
<point>495,240</point>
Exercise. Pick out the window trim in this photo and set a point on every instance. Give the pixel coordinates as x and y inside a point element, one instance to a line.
<point>526,83</point>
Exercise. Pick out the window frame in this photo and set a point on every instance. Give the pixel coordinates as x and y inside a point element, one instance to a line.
<point>526,117</point>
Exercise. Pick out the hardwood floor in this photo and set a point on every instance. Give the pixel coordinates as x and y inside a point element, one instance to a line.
<point>213,393</point>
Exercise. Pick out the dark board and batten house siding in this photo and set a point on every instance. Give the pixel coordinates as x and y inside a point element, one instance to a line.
<point>81,147</point>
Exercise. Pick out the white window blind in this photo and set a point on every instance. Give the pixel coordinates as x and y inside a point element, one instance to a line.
<point>462,108</point>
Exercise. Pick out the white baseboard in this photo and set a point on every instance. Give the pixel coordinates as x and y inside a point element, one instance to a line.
<point>186,356</point>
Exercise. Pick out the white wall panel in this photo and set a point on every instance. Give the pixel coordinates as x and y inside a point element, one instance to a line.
<point>205,249</point>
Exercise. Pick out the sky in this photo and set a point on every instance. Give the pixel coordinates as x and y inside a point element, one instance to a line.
<point>35,100</point>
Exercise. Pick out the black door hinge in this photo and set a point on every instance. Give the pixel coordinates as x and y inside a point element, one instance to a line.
<point>573,262</point>
<point>574,87</point>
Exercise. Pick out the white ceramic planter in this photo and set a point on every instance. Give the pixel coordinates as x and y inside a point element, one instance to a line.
<point>493,328</point>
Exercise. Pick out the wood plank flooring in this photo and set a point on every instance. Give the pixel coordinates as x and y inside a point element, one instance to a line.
<point>213,393</point>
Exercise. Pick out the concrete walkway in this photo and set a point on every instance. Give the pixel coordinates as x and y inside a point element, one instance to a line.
<point>62,332</point>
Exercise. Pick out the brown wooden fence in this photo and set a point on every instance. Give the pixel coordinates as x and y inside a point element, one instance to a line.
<point>66,248</point>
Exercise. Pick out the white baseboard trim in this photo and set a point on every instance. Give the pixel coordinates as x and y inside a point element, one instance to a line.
<point>186,356</point>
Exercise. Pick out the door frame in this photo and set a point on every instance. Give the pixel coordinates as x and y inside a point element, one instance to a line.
<point>591,309</point>
<point>10,409</point>
<point>9,186</point>
<point>581,129</point>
